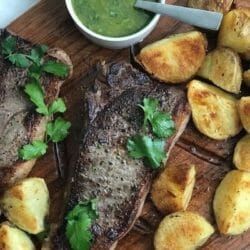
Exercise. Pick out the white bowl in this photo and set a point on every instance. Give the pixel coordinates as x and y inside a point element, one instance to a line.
<point>113,42</point>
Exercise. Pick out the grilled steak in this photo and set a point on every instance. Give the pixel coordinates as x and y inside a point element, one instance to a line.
<point>19,123</point>
<point>102,167</point>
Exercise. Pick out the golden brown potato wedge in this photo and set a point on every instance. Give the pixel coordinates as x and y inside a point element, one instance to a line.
<point>235,32</point>
<point>222,66</point>
<point>26,204</point>
<point>214,112</point>
<point>12,238</point>
<point>232,203</point>
<point>172,189</point>
<point>213,5</point>
<point>244,111</point>
<point>176,58</point>
<point>241,157</point>
<point>182,231</point>
<point>246,77</point>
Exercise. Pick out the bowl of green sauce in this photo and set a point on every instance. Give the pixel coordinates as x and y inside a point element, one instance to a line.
<point>112,24</point>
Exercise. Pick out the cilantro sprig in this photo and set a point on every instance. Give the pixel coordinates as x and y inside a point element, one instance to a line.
<point>143,146</point>
<point>162,124</point>
<point>140,146</point>
<point>33,150</point>
<point>34,61</point>
<point>36,94</point>
<point>78,225</point>
<point>57,129</point>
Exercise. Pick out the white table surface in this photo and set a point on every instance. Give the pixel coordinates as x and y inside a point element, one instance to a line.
<point>11,9</point>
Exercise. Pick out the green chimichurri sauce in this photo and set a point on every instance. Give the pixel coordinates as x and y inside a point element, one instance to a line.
<point>111,17</point>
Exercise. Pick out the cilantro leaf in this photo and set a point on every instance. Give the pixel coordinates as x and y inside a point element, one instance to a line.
<point>58,129</point>
<point>8,45</point>
<point>140,146</point>
<point>78,225</point>
<point>20,60</point>
<point>34,72</point>
<point>37,53</point>
<point>149,107</point>
<point>32,151</point>
<point>56,68</point>
<point>162,124</point>
<point>36,95</point>
<point>78,232</point>
<point>56,106</point>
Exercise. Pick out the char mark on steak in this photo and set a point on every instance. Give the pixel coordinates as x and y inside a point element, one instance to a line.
<point>102,167</point>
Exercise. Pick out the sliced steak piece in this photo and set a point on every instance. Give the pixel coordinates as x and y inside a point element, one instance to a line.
<point>102,167</point>
<point>19,123</point>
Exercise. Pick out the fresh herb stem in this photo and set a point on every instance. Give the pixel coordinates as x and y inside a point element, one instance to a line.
<point>58,128</point>
<point>162,125</point>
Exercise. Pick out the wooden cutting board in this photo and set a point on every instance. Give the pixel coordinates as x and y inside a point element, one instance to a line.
<point>49,23</point>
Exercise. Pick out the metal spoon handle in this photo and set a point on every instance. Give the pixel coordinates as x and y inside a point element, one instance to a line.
<point>200,18</point>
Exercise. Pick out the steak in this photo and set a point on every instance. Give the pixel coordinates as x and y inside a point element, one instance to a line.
<point>19,123</point>
<point>102,167</point>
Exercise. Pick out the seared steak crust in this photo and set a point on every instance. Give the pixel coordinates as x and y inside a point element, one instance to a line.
<point>102,167</point>
<point>19,123</point>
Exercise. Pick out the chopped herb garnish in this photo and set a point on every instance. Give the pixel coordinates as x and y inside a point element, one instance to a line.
<point>8,45</point>
<point>143,146</point>
<point>36,95</point>
<point>56,68</point>
<point>162,124</point>
<point>57,106</point>
<point>57,130</point>
<point>78,225</point>
<point>33,150</point>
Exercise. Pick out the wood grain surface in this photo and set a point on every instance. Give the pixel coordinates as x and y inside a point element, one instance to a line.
<point>49,23</point>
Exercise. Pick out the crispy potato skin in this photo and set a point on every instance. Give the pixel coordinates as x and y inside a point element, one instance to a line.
<point>26,204</point>
<point>235,32</point>
<point>241,157</point>
<point>182,230</point>
<point>12,238</point>
<point>246,77</point>
<point>222,66</point>
<point>172,189</point>
<point>214,112</point>
<point>213,5</point>
<point>232,203</point>
<point>244,111</point>
<point>175,59</point>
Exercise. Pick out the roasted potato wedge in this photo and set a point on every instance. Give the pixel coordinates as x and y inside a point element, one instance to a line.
<point>12,238</point>
<point>172,189</point>
<point>232,203</point>
<point>235,32</point>
<point>222,66</point>
<point>214,112</point>
<point>213,5</point>
<point>241,157</point>
<point>244,111</point>
<point>26,204</point>
<point>246,77</point>
<point>182,231</point>
<point>176,58</point>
